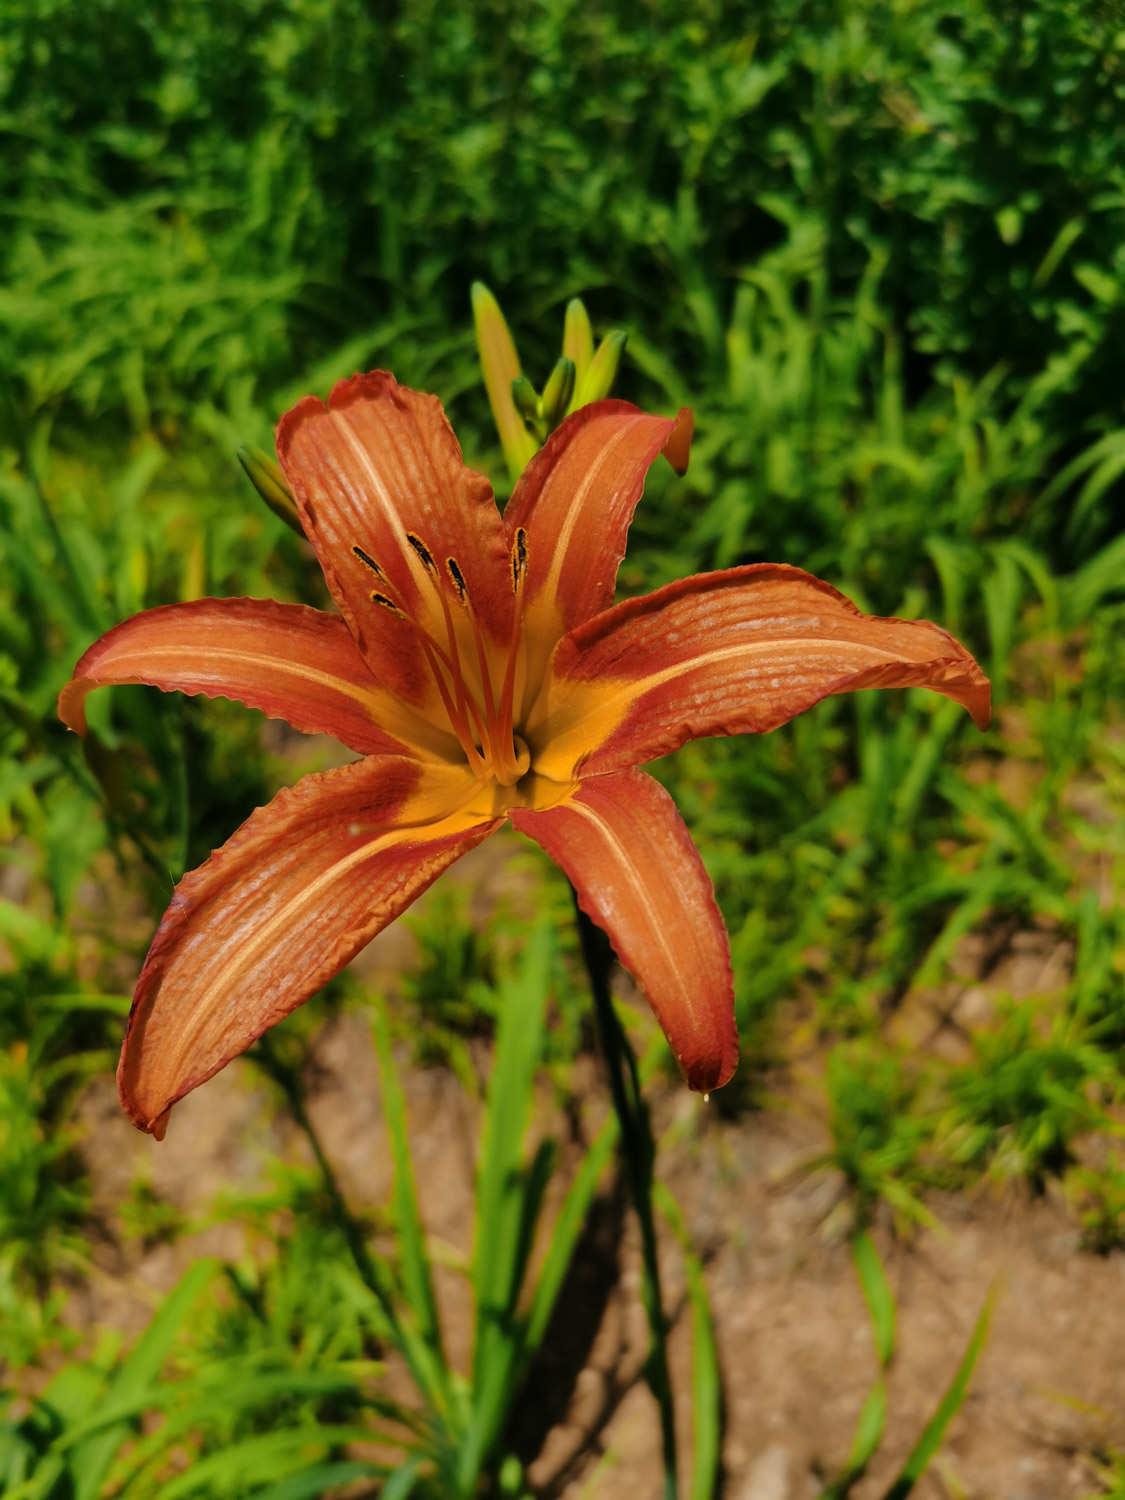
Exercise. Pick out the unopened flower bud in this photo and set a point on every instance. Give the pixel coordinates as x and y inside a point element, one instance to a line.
<point>500,366</point>
<point>557,392</point>
<point>599,377</point>
<point>526,399</point>
<point>266,477</point>
<point>578,338</point>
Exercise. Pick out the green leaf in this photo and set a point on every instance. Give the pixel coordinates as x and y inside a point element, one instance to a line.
<point>950,1404</point>
<point>504,1189</point>
<point>706,1375</point>
<point>90,1460</point>
<point>877,1294</point>
<point>402,1481</point>
<point>566,1230</point>
<point>315,1482</point>
<point>409,1233</point>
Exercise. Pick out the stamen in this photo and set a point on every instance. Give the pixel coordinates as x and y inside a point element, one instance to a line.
<point>368,561</point>
<point>519,559</point>
<point>482,727</point>
<point>463,714</point>
<point>458,578</point>
<point>497,742</point>
<point>457,717</point>
<point>422,550</point>
<point>465,703</point>
<point>508,690</point>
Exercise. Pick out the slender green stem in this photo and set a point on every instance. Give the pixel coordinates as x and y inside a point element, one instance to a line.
<point>639,1152</point>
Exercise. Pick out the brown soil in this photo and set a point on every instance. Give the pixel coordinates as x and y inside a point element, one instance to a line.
<point>794,1334</point>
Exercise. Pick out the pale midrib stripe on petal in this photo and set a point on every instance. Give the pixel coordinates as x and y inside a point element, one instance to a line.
<point>750,648</point>
<point>250,658</point>
<point>630,874</point>
<point>386,712</point>
<point>288,913</point>
<point>566,530</point>
<point>248,950</point>
<point>381,493</point>
<point>631,690</point>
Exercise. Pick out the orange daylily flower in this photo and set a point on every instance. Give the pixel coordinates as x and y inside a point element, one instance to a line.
<point>480,669</point>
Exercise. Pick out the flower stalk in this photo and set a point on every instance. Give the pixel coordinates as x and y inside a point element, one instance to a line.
<point>638,1150</point>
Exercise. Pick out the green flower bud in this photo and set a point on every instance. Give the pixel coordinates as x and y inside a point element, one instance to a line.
<point>578,338</point>
<point>557,392</point>
<point>598,380</point>
<point>264,473</point>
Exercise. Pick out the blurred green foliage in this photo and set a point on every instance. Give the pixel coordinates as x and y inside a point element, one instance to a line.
<point>202,204</point>
<point>880,249</point>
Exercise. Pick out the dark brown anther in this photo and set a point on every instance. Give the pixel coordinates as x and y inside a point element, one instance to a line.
<point>368,561</point>
<point>386,603</point>
<point>519,558</point>
<point>422,550</point>
<point>458,577</point>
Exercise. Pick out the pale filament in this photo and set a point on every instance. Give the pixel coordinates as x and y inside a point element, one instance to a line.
<point>484,729</point>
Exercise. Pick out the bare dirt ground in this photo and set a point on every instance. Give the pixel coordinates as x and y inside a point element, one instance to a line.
<point>793,1331</point>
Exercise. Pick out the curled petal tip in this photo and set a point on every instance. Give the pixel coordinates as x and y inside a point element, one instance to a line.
<point>154,1125</point>
<point>981,705</point>
<point>677,450</point>
<point>706,1072</point>
<point>71,706</point>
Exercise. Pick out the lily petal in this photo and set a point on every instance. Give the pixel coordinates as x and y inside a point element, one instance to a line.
<point>291,897</point>
<point>289,661</point>
<point>638,875</point>
<point>388,505</point>
<point>574,504</point>
<point>735,652</point>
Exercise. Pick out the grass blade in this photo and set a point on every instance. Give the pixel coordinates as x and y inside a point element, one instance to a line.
<point>706,1374</point>
<point>566,1230</point>
<point>314,1482</point>
<point>877,1294</point>
<point>409,1233</point>
<point>950,1404</point>
<point>502,1238</point>
<point>89,1462</point>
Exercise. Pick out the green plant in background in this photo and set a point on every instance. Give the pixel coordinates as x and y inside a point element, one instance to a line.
<point>1110,1472</point>
<point>43,1202</point>
<point>1099,1196</point>
<point>1027,1096</point>
<point>871,1426</point>
<point>880,1128</point>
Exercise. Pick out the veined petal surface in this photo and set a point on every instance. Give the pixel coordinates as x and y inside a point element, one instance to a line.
<point>735,652</point>
<point>289,661</point>
<point>291,897</point>
<point>638,875</point>
<point>574,503</point>
<point>378,473</point>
